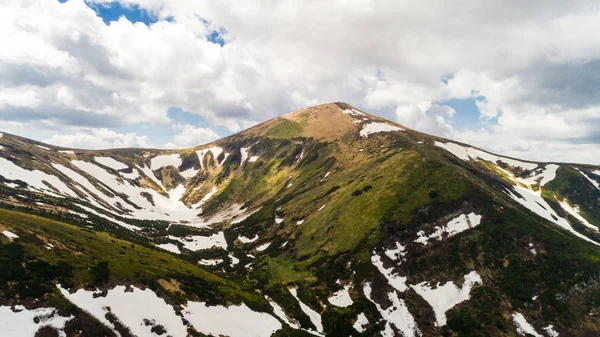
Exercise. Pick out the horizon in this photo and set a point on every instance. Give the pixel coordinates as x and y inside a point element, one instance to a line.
<point>169,74</point>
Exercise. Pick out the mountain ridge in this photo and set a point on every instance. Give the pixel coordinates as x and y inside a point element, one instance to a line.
<point>369,229</point>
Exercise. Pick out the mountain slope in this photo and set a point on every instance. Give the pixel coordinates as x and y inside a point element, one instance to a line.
<point>326,220</point>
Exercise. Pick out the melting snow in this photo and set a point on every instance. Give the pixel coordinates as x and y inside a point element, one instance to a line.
<point>244,239</point>
<point>67,152</point>
<point>466,153</point>
<point>278,220</point>
<point>210,262</point>
<point>118,222</point>
<point>263,247</point>
<point>523,327</point>
<point>454,226</point>
<point>215,150</point>
<point>396,314</point>
<point>594,182</point>
<point>314,316</point>
<point>165,160</point>
<point>111,162</point>
<point>169,247</point>
<point>341,298</point>
<point>394,279</point>
<point>198,242</point>
<point>10,235</point>
<point>375,127</point>
<point>550,331</point>
<point>234,260</point>
<point>253,159</point>
<point>232,321</point>
<point>353,112</point>
<point>361,322</point>
<point>320,208</point>
<point>443,297</point>
<point>534,202</point>
<point>300,222</point>
<point>575,213</point>
<point>546,175</point>
<point>132,176</point>
<point>131,308</point>
<point>44,148</point>
<point>279,312</point>
<point>244,151</point>
<point>189,173</point>
<point>23,322</point>
<point>34,178</point>
<point>396,253</point>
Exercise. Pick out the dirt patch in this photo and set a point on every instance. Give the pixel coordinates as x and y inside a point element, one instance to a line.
<point>171,285</point>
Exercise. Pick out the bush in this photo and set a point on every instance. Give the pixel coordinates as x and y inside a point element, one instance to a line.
<point>100,272</point>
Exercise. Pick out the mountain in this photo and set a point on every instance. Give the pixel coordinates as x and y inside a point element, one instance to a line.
<point>324,221</point>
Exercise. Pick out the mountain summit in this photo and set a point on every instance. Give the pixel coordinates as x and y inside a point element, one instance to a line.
<point>326,221</point>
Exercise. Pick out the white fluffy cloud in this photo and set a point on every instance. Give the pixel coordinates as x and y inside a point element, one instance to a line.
<point>536,64</point>
<point>189,136</point>
<point>98,138</point>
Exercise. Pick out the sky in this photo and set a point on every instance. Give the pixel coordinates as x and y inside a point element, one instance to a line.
<point>519,78</point>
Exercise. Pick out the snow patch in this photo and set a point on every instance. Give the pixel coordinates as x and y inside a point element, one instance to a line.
<point>320,208</point>
<point>253,159</point>
<point>314,316</point>
<point>210,262</point>
<point>375,127</point>
<point>396,314</point>
<point>232,321</point>
<point>341,298</point>
<point>10,235</point>
<point>115,221</point>
<point>263,247</point>
<point>111,162</point>
<point>396,253</point>
<point>300,222</point>
<point>278,220</point>
<point>165,160</point>
<point>469,153</point>
<point>21,322</point>
<point>534,202</point>
<point>35,179</point>
<point>550,331</point>
<point>132,309</point>
<point>544,176</point>
<point>244,239</point>
<point>453,227</point>
<point>189,173</point>
<point>394,279</point>
<point>67,151</point>
<point>361,322</point>
<point>199,242</point>
<point>523,327</point>
<point>444,297</point>
<point>169,247</point>
<point>574,211</point>
<point>594,182</point>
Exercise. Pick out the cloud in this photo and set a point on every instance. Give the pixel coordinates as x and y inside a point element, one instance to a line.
<point>98,139</point>
<point>532,65</point>
<point>189,136</point>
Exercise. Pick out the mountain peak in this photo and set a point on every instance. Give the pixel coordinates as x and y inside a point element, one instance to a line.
<point>325,121</point>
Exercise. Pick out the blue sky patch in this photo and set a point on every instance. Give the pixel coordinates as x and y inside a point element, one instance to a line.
<point>216,37</point>
<point>467,113</point>
<point>114,10</point>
